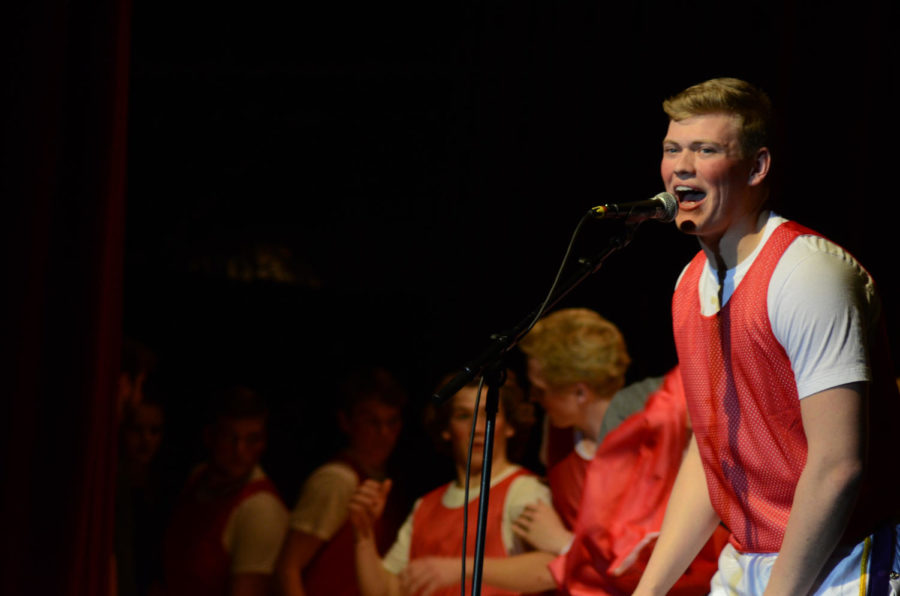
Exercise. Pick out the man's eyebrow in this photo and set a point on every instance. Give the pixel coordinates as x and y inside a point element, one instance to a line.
<point>694,143</point>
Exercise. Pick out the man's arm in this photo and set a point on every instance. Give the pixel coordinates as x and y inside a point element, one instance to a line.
<point>256,537</point>
<point>689,522</point>
<point>373,578</point>
<point>834,423</point>
<point>320,512</point>
<point>527,572</point>
<point>249,584</point>
<point>366,507</point>
<point>298,550</point>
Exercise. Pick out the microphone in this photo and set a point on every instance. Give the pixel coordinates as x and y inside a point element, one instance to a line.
<point>663,207</point>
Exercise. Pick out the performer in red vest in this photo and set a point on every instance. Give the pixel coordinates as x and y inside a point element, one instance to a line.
<point>611,490</point>
<point>626,488</point>
<point>786,369</point>
<point>228,525</point>
<point>318,551</point>
<point>426,556</point>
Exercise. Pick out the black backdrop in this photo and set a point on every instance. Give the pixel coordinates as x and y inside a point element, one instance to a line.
<point>416,170</point>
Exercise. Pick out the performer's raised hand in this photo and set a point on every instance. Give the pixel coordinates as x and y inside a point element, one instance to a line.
<point>367,505</point>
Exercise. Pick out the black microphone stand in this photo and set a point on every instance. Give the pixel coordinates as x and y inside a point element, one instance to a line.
<point>494,377</point>
<point>490,364</point>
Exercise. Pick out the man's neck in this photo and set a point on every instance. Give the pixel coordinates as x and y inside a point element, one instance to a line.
<point>737,243</point>
<point>373,468</point>
<point>498,466</point>
<point>594,413</point>
<point>215,482</point>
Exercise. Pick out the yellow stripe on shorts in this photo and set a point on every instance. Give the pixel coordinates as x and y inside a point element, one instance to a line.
<point>864,565</point>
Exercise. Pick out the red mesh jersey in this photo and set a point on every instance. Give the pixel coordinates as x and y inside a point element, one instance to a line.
<point>743,400</point>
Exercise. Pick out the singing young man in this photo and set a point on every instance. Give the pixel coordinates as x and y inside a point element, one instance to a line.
<point>786,371</point>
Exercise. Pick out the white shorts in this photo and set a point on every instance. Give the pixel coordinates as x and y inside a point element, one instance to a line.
<point>868,569</point>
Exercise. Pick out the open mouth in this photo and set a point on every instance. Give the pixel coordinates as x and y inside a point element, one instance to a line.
<point>689,194</point>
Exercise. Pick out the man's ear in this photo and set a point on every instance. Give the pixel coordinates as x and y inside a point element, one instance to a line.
<point>762,161</point>
<point>581,392</point>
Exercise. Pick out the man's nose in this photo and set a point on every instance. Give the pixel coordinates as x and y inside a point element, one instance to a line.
<point>480,424</point>
<point>684,164</point>
<point>243,447</point>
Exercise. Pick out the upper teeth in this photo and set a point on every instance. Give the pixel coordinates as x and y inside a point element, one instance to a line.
<point>684,189</point>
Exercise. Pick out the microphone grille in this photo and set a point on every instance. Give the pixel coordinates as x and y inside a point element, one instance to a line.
<point>670,204</point>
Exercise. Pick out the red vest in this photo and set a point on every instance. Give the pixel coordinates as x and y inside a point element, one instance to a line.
<point>745,409</point>
<point>559,444</point>
<point>566,480</point>
<point>437,531</point>
<point>625,495</point>
<point>196,563</point>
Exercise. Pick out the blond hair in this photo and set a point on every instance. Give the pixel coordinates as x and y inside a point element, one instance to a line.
<point>577,345</point>
<point>750,105</point>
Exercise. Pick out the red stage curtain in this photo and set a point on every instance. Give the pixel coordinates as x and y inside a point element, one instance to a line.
<point>62,188</point>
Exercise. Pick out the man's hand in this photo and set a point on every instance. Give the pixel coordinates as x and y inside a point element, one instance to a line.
<point>367,505</point>
<point>689,522</point>
<point>541,527</point>
<point>425,575</point>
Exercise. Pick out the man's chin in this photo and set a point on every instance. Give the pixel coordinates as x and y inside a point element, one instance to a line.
<point>688,227</point>
<point>477,461</point>
<point>238,474</point>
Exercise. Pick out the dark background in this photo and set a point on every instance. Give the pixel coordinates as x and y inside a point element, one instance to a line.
<point>275,192</point>
<point>314,186</point>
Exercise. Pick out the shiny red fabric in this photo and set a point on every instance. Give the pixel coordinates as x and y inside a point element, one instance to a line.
<point>437,531</point>
<point>196,563</point>
<point>626,491</point>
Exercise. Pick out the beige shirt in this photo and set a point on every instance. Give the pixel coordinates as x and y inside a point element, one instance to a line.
<point>255,530</point>
<point>321,509</point>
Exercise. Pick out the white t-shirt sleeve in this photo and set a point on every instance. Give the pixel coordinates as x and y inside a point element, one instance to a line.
<point>321,509</point>
<point>255,532</point>
<point>397,557</point>
<point>524,490</point>
<point>822,307</point>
